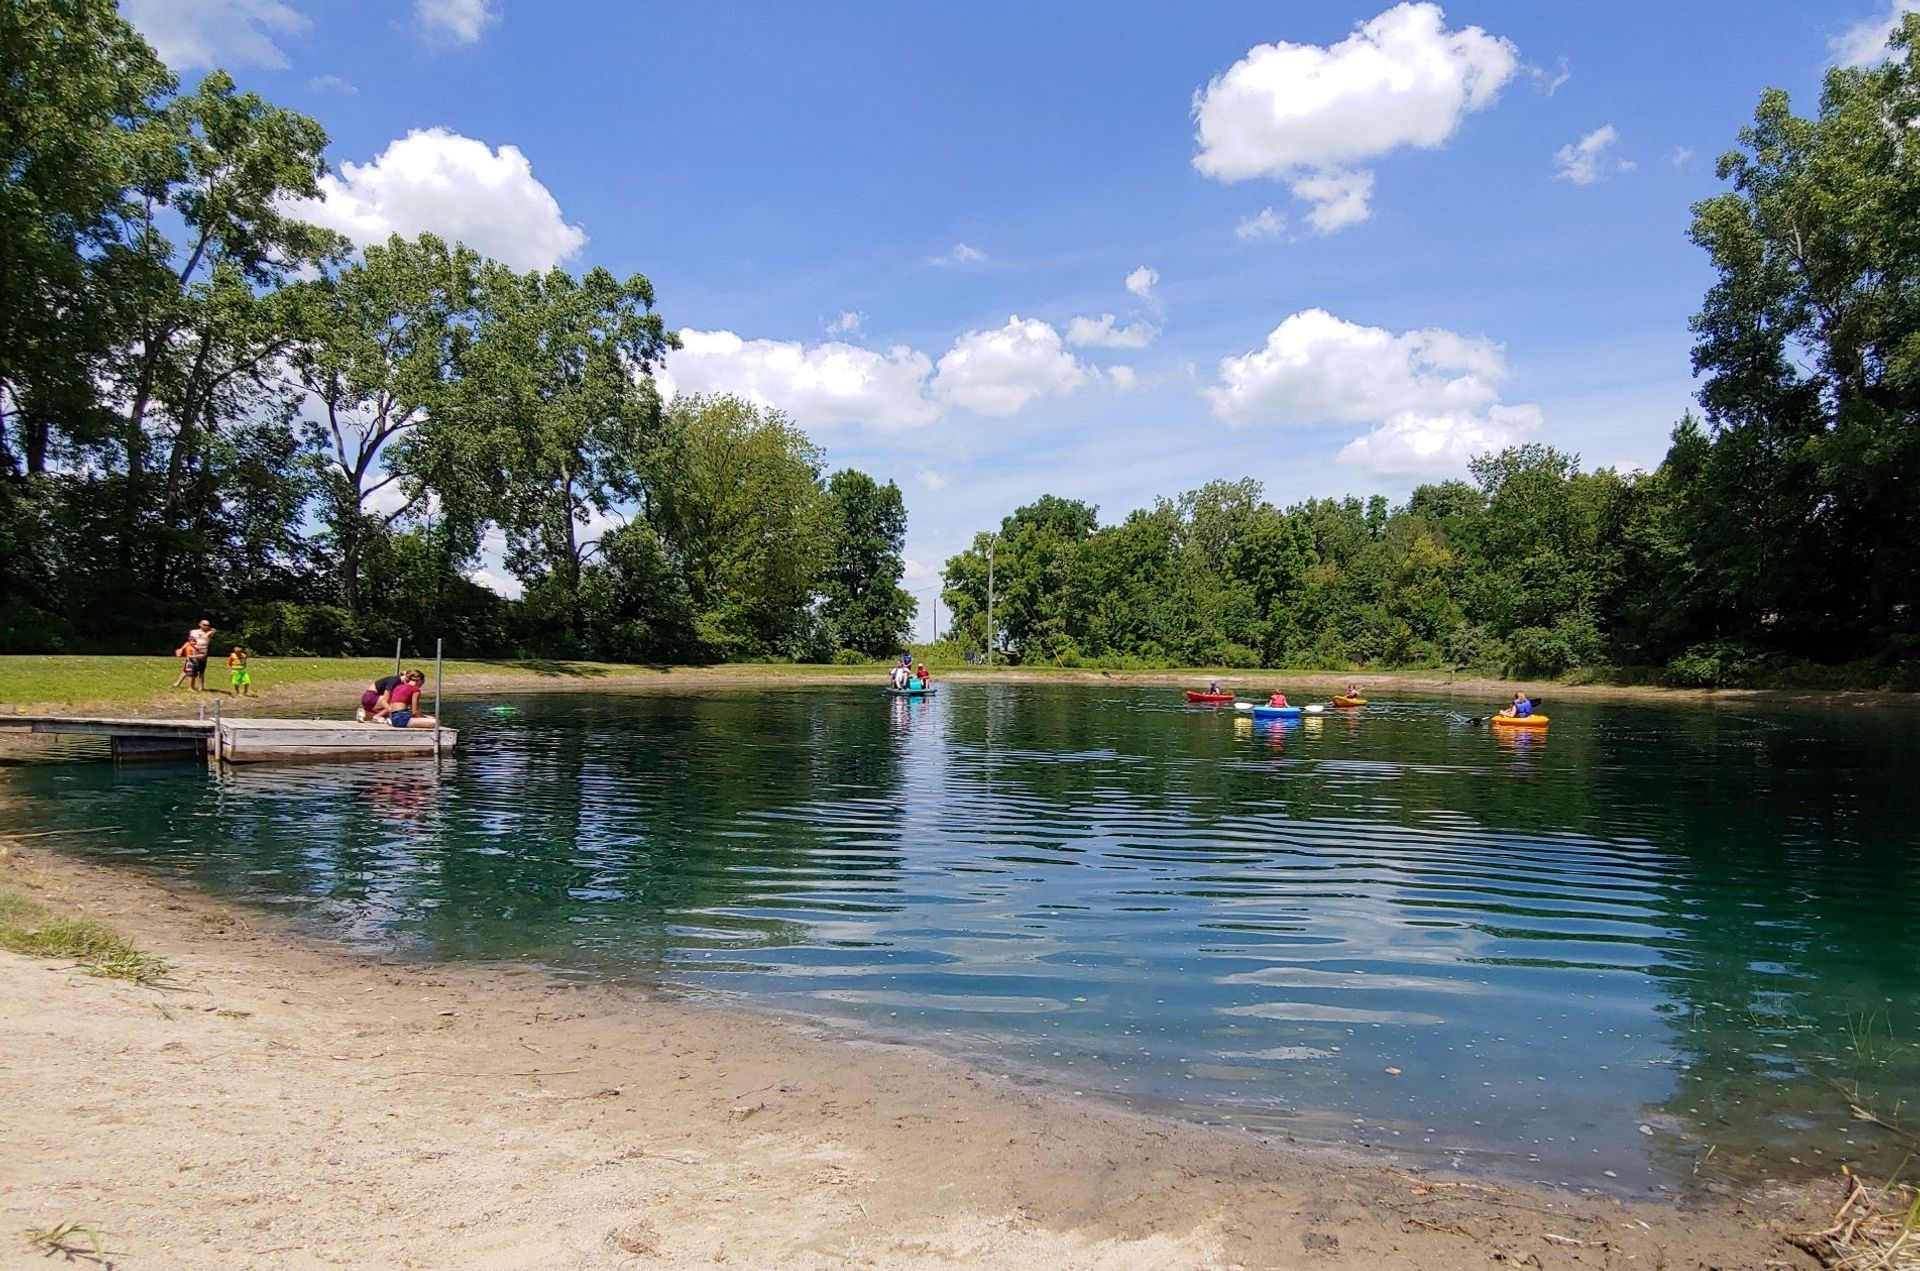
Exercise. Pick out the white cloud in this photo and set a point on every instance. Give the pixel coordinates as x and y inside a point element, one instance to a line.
<point>459,20</point>
<point>1865,42</point>
<point>962,254</point>
<point>1123,378</point>
<point>1680,157</point>
<point>332,84</point>
<point>819,385</point>
<point>1339,199</point>
<point>1432,395</point>
<point>500,584</point>
<point>932,479</point>
<point>848,323</point>
<point>1105,332</point>
<point>1589,159</point>
<point>437,181</point>
<point>1413,445</point>
<point>1267,224</point>
<point>1310,116</point>
<point>1553,81</point>
<point>998,372</point>
<point>206,33</point>
<point>1141,283</point>
<point>912,570</point>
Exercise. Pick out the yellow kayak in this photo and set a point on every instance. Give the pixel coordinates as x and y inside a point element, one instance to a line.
<point>1507,719</point>
<point>1349,701</point>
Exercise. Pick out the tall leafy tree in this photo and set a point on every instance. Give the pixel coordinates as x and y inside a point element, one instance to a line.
<point>378,357</point>
<point>560,374</point>
<point>861,598</point>
<point>1809,347</point>
<point>738,497</point>
<point>81,96</point>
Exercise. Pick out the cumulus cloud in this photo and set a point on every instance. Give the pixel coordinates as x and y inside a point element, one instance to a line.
<point>1589,159</point>
<point>1123,378</point>
<point>819,385</point>
<point>1411,445</point>
<point>1311,116</point>
<point>932,478</point>
<point>1680,157</point>
<point>459,20</point>
<point>500,584</point>
<point>1267,224</point>
<point>999,372</point>
<point>1105,332</point>
<point>1141,283</point>
<point>437,181</point>
<point>205,33</point>
<point>962,254</point>
<point>848,323</point>
<point>1865,42</point>
<point>1432,395</point>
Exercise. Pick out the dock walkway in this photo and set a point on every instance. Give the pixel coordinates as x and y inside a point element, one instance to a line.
<point>243,740</point>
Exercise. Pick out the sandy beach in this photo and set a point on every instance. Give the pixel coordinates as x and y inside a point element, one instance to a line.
<point>283,1104</point>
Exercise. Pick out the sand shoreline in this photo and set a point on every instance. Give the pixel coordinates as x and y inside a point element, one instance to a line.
<point>289,1104</point>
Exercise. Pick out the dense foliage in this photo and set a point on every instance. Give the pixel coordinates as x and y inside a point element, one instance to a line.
<point>209,407</point>
<point>1782,529</point>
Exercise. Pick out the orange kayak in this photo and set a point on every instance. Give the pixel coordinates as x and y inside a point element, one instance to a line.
<point>1505,720</point>
<point>1349,701</point>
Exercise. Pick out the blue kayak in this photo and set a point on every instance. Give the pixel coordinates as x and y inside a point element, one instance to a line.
<point>1276,712</point>
<point>910,692</point>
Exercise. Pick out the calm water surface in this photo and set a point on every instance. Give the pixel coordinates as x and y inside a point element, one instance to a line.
<point>1594,956</point>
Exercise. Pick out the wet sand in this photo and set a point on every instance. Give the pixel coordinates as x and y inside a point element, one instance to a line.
<point>284,1104</point>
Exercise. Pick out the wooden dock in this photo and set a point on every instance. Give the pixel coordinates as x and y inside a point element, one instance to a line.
<point>244,740</point>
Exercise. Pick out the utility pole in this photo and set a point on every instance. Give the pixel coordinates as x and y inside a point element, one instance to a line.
<point>991,540</point>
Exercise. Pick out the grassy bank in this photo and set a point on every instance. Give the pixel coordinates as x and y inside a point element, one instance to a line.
<point>29,927</point>
<point>140,686</point>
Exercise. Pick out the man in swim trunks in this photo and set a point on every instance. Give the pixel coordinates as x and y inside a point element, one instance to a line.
<point>200,638</point>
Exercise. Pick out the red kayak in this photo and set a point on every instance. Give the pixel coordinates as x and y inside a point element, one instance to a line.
<point>1195,696</point>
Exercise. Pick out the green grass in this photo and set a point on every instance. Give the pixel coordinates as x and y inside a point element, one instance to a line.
<point>29,927</point>
<point>62,1240</point>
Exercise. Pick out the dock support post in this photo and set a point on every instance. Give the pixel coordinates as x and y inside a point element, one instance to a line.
<point>396,657</point>
<point>438,644</point>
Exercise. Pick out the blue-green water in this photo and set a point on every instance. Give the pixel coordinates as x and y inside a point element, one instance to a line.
<point>1589,956</point>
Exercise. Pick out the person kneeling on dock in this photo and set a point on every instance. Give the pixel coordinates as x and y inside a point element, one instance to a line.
<point>403,699</point>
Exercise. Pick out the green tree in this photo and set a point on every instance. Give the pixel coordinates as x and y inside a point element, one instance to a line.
<point>738,497</point>
<point>861,598</point>
<point>1809,346</point>
<point>559,377</point>
<point>378,355</point>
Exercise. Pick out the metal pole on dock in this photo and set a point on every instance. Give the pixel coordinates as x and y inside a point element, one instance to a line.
<point>437,645</point>
<point>396,657</point>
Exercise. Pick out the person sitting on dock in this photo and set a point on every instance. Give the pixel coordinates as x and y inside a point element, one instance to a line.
<point>403,699</point>
<point>373,706</point>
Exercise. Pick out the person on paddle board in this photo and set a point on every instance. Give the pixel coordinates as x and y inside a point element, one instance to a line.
<point>1278,699</point>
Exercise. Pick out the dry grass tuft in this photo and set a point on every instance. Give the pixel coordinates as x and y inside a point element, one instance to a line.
<point>1875,1229</point>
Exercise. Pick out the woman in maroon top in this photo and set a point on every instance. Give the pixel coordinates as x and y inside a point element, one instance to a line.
<point>403,699</point>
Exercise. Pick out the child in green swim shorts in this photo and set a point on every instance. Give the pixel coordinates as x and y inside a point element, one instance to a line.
<point>237,672</point>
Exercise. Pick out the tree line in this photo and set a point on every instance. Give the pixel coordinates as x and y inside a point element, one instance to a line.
<point>209,405</point>
<point>1781,532</point>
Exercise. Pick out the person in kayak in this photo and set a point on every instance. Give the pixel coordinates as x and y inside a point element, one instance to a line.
<point>1213,688</point>
<point>1353,690</point>
<point>920,673</point>
<point>1522,706</point>
<point>1278,699</point>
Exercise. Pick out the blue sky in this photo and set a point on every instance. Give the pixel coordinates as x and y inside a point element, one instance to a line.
<point>1108,251</point>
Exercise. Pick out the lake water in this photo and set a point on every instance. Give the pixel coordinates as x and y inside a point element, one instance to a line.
<point>1652,945</point>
